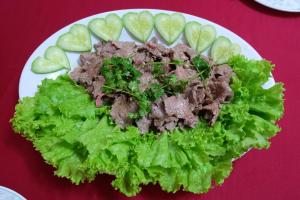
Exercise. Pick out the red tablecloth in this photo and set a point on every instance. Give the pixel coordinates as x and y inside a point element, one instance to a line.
<point>267,174</point>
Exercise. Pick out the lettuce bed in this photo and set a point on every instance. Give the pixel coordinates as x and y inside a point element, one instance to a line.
<point>81,141</point>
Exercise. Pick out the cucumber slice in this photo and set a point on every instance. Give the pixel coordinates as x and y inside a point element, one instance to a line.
<point>140,25</point>
<point>108,28</point>
<point>206,37</point>
<point>222,49</point>
<point>236,49</point>
<point>169,26</point>
<point>77,39</point>
<point>57,56</point>
<point>192,32</point>
<point>43,66</point>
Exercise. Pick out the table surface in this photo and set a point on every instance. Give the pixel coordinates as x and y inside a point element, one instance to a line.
<point>267,174</point>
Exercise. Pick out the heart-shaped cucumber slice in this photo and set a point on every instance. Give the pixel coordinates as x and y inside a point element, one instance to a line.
<point>58,56</point>
<point>108,28</point>
<point>54,59</point>
<point>77,39</point>
<point>192,32</point>
<point>206,37</point>
<point>198,36</point>
<point>222,49</point>
<point>169,26</point>
<point>140,25</point>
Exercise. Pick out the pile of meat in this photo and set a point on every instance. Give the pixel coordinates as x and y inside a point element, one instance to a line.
<point>200,98</point>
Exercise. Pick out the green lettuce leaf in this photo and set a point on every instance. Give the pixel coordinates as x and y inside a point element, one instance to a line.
<point>81,141</point>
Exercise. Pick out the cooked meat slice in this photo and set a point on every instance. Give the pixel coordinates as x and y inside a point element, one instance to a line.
<point>139,58</point>
<point>219,91</point>
<point>168,123</point>
<point>105,49</point>
<point>179,107</point>
<point>144,124</point>
<point>195,92</point>
<point>176,106</point>
<point>185,73</point>
<point>115,48</point>
<point>221,73</point>
<point>81,76</point>
<point>145,80</point>
<point>211,112</point>
<point>97,90</point>
<point>191,120</point>
<point>157,108</point>
<point>178,52</point>
<point>120,109</point>
<point>124,49</point>
<point>76,74</point>
<point>88,60</point>
<point>182,52</point>
<point>157,50</point>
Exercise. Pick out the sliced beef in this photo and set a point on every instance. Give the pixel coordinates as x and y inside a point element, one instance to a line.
<point>156,50</point>
<point>115,48</point>
<point>179,107</point>
<point>120,109</point>
<point>105,49</point>
<point>145,80</point>
<point>161,120</point>
<point>157,109</point>
<point>219,91</point>
<point>182,52</point>
<point>144,124</point>
<point>221,73</point>
<point>90,60</point>
<point>140,58</point>
<point>195,92</point>
<point>88,70</point>
<point>124,49</point>
<point>168,123</point>
<point>201,98</point>
<point>185,73</point>
<point>211,112</point>
<point>97,90</point>
<point>151,52</point>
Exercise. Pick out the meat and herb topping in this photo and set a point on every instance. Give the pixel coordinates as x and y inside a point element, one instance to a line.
<point>154,87</point>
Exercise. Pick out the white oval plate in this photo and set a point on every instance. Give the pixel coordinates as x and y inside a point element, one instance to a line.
<point>8,194</point>
<point>29,81</point>
<point>282,5</point>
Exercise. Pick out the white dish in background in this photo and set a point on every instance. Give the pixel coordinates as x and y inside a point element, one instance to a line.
<point>282,5</point>
<point>8,194</point>
<point>29,81</point>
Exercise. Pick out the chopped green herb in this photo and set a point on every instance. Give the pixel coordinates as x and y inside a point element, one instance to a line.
<point>172,85</point>
<point>201,66</point>
<point>177,62</point>
<point>157,69</point>
<point>154,91</point>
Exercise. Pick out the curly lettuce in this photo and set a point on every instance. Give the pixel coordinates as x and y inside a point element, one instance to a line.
<point>81,141</point>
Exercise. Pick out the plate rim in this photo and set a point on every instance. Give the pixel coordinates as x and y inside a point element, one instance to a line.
<point>28,61</point>
<point>12,192</point>
<point>278,8</point>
